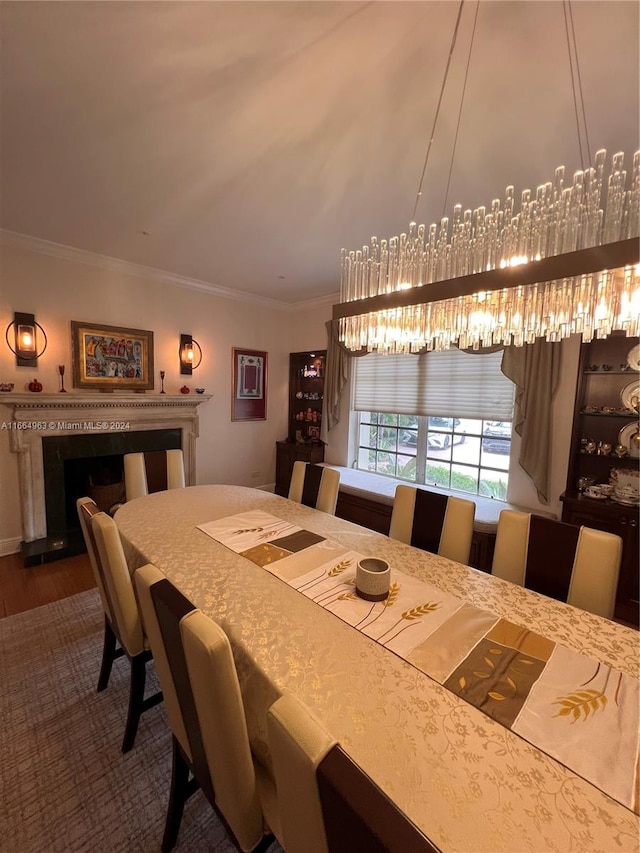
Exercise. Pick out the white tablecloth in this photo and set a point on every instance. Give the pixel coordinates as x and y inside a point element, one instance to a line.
<point>468,782</point>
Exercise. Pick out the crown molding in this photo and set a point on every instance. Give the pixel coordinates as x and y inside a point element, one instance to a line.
<point>81,256</point>
<point>318,302</point>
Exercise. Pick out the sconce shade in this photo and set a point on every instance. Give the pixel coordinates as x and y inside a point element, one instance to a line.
<point>190,354</point>
<point>25,342</point>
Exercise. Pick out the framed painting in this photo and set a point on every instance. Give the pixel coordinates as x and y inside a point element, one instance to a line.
<point>111,358</point>
<point>249,385</point>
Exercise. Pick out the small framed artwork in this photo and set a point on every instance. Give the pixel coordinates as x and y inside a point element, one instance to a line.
<point>111,358</point>
<point>249,385</point>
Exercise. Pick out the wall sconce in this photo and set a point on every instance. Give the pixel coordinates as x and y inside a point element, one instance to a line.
<point>25,343</point>
<point>190,354</point>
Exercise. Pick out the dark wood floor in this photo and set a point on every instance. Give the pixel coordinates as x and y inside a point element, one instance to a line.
<point>25,588</point>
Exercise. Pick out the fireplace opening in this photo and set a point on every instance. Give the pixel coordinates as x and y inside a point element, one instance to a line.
<point>90,465</point>
<point>100,478</point>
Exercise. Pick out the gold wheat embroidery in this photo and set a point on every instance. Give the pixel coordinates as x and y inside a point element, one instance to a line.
<point>420,611</point>
<point>412,615</point>
<point>336,570</point>
<point>325,597</point>
<point>339,568</point>
<point>582,702</point>
<point>348,596</point>
<point>394,592</point>
<point>248,530</point>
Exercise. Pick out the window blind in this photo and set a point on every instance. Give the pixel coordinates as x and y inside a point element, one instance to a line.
<point>451,383</point>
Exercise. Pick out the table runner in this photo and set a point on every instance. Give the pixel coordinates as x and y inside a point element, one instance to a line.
<point>583,713</point>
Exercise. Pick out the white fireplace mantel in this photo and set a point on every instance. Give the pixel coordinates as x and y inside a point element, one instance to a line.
<point>34,416</point>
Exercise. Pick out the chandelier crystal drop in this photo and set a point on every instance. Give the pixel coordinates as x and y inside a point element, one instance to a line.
<point>592,211</point>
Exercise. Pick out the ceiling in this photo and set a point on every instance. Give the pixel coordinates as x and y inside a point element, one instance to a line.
<point>243,144</point>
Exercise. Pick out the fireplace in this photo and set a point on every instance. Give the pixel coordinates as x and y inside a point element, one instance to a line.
<point>54,432</point>
<point>80,465</point>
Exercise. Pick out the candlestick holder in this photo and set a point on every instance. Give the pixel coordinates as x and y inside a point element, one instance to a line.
<point>63,390</point>
<point>162,391</point>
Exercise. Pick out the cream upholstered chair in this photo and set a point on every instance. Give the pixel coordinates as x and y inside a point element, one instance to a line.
<point>315,486</point>
<point>124,619</point>
<point>327,803</point>
<point>206,716</point>
<point>438,523</point>
<point>87,508</point>
<point>156,470</point>
<point>578,565</point>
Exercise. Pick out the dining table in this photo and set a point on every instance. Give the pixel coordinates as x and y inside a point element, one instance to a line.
<point>469,781</point>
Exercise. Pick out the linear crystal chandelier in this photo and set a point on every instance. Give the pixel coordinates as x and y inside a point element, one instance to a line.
<point>567,261</point>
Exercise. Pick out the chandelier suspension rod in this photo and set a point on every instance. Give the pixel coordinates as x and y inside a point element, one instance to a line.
<point>435,118</point>
<point>579,76</point>
<point>569,25</point>
<point>464,89</point>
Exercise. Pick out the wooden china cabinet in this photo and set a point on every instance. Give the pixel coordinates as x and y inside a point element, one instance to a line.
<point>306,393</point>
<point>606,385</point>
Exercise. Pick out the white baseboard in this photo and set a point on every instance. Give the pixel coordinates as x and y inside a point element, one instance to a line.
<point>10,546</point>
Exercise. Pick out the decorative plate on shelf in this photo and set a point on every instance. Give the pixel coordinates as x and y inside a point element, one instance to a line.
<point>624,501</point>
<point>633,358</point>
<point>625,476</point>
<point>630,396</point>
<point>624,438</point>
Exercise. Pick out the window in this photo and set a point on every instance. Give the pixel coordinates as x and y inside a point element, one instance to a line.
<point>455,453</point>
<point>442,419</point>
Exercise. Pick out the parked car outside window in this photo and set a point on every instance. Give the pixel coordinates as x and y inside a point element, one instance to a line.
<point>440,440</point>
<point>497,437</point>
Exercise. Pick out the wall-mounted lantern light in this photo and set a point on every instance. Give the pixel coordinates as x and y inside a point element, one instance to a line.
<point>23,342</point>
<point>190,354</point>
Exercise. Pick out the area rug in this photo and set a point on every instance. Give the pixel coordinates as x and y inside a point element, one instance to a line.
<point>64,783</point>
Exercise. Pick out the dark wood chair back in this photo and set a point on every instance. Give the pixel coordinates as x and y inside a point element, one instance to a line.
<point>358,815</point>
<point>171,607</point>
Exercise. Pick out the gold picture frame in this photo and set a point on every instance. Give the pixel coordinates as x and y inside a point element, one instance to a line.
<point>111,358</point>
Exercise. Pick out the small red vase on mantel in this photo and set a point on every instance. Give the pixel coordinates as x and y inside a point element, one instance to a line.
<point>185,389</point>
<point>34,385</point>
